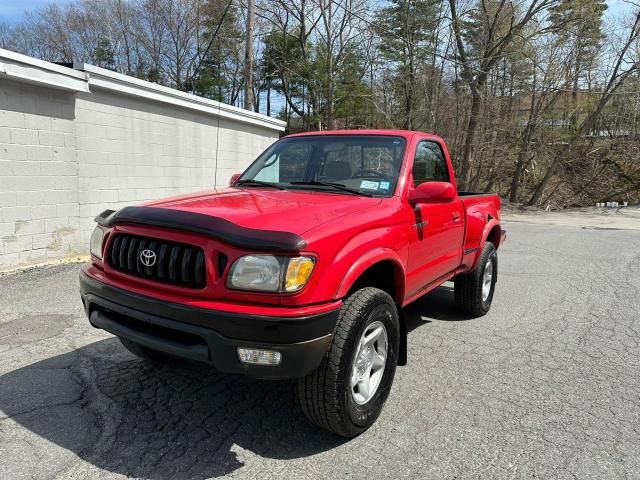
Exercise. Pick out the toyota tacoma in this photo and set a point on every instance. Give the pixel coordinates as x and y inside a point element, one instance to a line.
<point>300,268</point>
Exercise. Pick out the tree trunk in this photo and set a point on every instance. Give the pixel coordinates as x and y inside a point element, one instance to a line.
<point>248,56</point>
<point>409,92</point>
<point>537,195</point>
<point>524,145</point>
<point>269,100</point>
<point>330,94</point>
<point>470,140</point>
<point>522,157</point>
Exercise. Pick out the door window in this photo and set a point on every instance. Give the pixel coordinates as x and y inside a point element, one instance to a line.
<point>429,164</point>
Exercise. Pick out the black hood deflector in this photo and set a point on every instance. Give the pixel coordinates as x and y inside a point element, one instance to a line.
<point>224,230</point>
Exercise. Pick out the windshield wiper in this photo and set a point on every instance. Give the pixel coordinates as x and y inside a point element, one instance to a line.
<point>249,181</point>
<point>337,186</point>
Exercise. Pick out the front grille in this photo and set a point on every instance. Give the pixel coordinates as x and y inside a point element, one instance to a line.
<point>175,263</point>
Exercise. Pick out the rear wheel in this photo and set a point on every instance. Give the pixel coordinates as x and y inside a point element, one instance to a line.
<point>346,393</point>
<point>473,292</point>
<point>146,353</point>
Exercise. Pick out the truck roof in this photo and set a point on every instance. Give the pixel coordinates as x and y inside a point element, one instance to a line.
<point>407,134</point>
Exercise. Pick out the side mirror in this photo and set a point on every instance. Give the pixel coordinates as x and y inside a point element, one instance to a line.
<point>432,192</point>
<point>234,179</point>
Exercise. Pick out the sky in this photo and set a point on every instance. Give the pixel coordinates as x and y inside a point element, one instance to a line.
<point>12,11</point>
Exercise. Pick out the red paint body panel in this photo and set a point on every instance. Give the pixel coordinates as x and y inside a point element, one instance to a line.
<point>346,234</point>
<point>284,210</point>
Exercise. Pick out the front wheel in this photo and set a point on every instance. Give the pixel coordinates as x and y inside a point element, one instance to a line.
<point>473,292</point>
<point>346,393</point>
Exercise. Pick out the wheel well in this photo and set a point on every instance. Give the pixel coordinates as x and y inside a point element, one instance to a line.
<point>384,275</point>
<point>494,235</point>
<point>388,277</point>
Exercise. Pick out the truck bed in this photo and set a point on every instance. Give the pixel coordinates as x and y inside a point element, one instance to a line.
<point>480,209</point>
<point>474,194</point>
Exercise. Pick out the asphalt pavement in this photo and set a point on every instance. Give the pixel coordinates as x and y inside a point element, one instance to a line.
<point>547,385</point>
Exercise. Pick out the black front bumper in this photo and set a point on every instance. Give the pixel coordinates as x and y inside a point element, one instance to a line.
<point>209,336</point>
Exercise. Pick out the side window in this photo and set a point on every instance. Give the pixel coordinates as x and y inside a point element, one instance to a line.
<point>429,164</point>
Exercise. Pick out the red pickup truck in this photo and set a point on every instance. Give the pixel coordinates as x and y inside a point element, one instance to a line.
<point>301,268</point>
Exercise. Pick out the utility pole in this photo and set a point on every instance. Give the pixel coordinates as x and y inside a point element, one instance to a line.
<point>248,56</point>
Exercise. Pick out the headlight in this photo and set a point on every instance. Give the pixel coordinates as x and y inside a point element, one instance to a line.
<point>256,272</point>
<point>95,244</point>
<point>269,273</point>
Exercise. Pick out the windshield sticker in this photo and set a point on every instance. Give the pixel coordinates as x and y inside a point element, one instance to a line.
<point>384,185</point>
<point>369,185</point>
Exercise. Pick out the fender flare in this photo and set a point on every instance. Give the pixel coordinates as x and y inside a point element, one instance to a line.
<point>485,235</point>
<point>365,262</point>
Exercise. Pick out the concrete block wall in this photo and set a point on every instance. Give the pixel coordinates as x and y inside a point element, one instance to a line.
<point>236,145</point>
<point>66,154</point>
<point>38,174</point>
<point>130,151</point>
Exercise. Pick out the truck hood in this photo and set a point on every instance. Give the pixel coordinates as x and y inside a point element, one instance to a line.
<point>291,211</point>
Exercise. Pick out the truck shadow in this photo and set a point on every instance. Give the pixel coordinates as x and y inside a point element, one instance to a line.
<point>126,416</point>
<point>180,420</point>
<point>435,305</point>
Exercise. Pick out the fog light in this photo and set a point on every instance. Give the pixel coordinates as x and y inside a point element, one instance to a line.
<point>259,357</point>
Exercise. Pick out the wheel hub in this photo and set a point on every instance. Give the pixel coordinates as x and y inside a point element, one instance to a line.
<point>487,280</point>
<point>369,362</point>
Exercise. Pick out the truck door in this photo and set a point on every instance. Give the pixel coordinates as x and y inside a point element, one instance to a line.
<point>435,248</point>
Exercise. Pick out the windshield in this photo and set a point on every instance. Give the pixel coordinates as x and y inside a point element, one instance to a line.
<point>360,164</point>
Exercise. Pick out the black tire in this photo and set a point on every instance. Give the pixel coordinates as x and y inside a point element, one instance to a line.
<point>468,288</point>
<point>325,395</point>
<point>146,353</point>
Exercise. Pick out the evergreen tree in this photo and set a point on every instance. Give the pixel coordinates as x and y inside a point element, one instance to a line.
<point>286,70</point>
<point>353,95</point>
<point>407,33</point>
<point>218,77</point>
<point>104,54</point>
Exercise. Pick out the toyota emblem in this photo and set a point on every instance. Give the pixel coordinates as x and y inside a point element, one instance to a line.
<point>148,258</point>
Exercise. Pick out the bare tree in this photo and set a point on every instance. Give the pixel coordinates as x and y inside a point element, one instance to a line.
<point>248,56</point>
<point>180,21</point>
<point>150,34</point>
<point>625,65</point>
<point>546,55</point>
<point>499,25</point>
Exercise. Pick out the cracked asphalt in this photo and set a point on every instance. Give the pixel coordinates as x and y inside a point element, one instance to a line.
<point>547,385</point>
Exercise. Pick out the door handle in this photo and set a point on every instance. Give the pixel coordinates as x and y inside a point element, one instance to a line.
<point>456,218</point>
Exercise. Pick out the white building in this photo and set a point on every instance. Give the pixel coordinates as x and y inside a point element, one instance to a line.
<point>75,141</point>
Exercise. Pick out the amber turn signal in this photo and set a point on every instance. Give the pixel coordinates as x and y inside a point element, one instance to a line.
<point>298,272</point>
